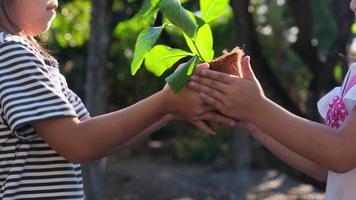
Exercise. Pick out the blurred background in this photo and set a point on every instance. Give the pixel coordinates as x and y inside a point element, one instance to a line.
<point>300,49</point>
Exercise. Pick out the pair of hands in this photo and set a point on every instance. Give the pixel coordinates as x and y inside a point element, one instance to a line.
<point>189,106</point>
<point>234,96</point>
<point>210,91</point>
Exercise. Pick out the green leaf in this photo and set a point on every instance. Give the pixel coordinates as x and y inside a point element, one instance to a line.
<point>148,8</point>
<point>174,11</point>
<point>211,9</point>
<point>179,78</point>
<point>203,43</point>
<point>161,57</point>
<point>145,41</point>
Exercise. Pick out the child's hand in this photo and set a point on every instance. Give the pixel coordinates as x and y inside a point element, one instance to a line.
<point>187,105</point>
<point>231,95</point>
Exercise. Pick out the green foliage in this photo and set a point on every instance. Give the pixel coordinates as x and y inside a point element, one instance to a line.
<point>149,7</point>
<point>212,9</point>
<point>203,45</point>
<point>162,57</point>
<point>145,42</point>
<point>224,31</point>
<point>72,23</point>
<point>180,78</point>
<point>174,11</point>
<point>196,31</point>
<point>127,31</point>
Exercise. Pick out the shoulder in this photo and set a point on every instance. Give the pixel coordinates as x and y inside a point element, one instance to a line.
<point>14,44</point>
<point>15,50</point>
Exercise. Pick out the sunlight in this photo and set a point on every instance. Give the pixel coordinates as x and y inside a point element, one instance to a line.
<point>271,184</point>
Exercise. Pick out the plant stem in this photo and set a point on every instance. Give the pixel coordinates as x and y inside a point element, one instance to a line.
<point>199,54</point>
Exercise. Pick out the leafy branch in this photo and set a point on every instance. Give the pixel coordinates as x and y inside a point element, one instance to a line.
<point>196,31</point>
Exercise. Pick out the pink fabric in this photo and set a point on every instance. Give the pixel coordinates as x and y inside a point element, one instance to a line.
<point>337,112</point>
<point>351,83</point>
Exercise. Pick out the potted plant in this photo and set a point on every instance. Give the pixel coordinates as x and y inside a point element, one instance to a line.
<point>197,33</point>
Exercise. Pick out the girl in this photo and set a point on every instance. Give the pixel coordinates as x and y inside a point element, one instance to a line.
<point>325,152</point>
<point>44,127</point>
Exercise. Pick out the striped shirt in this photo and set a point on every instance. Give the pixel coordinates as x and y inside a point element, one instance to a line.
<point>32,89</point>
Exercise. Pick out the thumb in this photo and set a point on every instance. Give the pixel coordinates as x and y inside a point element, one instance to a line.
<point>246,69</point>
<point>200,67</point>
<point>204,127</point>
<point>248,72</point>
<point>203,66</point>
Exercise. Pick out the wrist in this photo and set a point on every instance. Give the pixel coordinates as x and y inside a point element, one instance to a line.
<point>258,109</point>
<point>248,127</point>
<point>168,118</point>
<point>167,103</point>
<point>255,132</point>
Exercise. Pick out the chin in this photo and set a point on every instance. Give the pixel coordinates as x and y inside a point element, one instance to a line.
<point>35,33</point>
<point>39,31</point>
<point>46,29</point>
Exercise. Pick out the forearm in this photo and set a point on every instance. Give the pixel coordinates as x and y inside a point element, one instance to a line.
<point>244,99</point>
<point>314,141</point>
<point>291,158</point>
<point>154,127</point>
<point>97,136</point>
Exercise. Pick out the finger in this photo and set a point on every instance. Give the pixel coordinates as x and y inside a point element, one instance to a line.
<point>242,125</point>
<point>248,72</point>
<point>203,66</point>
<point>247,69</point>
<point>208,108</point>
<point>203,109</point>
<point>205,89</point>
<point>200,67</point>
<point>202,126</point>
<point>217,76</point>
<point>217,85</point>
<point>211,101</point>
<point>218,118</point>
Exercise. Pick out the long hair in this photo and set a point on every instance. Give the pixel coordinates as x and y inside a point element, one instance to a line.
<point>8,25</point>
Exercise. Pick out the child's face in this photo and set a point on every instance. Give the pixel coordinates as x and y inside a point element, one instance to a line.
<point>353,5</point>
<point>34,17</point>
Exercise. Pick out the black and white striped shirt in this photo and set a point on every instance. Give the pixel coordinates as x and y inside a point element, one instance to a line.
<point>32,89</point>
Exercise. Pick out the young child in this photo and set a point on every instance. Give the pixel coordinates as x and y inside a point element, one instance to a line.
<point>44,127</point>
<point>325,152</point>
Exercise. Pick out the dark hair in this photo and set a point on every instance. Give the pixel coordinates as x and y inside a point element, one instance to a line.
<point>8,25</point>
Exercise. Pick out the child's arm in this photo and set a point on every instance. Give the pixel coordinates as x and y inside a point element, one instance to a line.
<point>77,141</point>
<point>197,123</point>
<point>334,149</point>
<point>154,127</point>
<point>291,158</point>
<point>34,94</point>
<point>244,99</point>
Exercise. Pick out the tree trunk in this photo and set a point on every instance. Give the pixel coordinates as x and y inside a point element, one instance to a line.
<point>96,93</point>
